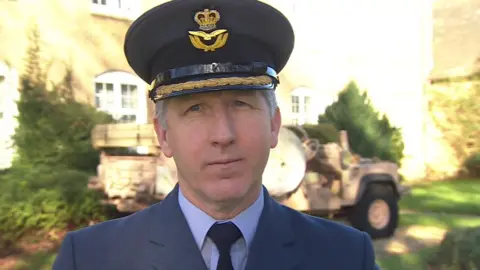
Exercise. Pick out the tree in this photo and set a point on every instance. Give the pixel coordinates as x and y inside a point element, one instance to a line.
<point>370,134</point>
<point>46,187</point>
<point>53,128</point>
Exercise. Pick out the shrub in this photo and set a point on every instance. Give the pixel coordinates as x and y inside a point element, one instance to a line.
<point>455,111</point>
<point>56,134</point>
<point>369,134</point>
<point>53,128</point>
<point>43,198</point>
<point>472,165</point>
<point>46,187</point>
<point>460,249</point>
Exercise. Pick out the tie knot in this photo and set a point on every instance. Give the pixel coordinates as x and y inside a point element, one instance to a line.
<point>224,235</point>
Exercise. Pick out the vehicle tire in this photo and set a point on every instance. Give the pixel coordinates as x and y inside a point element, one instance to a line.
<point>377,212</point>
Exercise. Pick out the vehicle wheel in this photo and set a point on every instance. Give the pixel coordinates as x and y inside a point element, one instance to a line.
<point>377,212</point>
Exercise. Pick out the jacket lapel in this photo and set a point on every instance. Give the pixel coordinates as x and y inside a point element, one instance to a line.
<point>171,243</point>
<point>172,246</point>
<point>273,246</point>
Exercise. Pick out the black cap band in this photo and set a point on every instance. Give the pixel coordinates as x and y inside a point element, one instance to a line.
<point>184,73</point>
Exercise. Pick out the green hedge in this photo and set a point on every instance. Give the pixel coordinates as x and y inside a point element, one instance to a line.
<point>460,249</point>
<point>54,128</point>
<point>46,188</point>
<point>472,165</point>
<point>43,198</point>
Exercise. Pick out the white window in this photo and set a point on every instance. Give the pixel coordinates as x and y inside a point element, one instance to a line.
<point>2,106</point>
<point>128,9</point>
<point>307,104</point>
<point>9,95</point>
<point>300,109</point>
<point>122,95</point>
<point>301,106</point>
<point>295,104</point>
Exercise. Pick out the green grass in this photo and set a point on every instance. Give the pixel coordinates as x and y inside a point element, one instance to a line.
<point>407,261</point>
<point>417,260</point>
<point>456,196</point>
<point>439,220</point>
<point>39,261</point>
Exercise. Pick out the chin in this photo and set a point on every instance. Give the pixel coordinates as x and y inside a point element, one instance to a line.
<point>227,189</point>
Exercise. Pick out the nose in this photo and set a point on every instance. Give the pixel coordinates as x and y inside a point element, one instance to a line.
<point>223,129</point>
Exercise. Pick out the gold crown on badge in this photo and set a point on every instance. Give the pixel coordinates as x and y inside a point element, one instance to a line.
<point>207,20</point>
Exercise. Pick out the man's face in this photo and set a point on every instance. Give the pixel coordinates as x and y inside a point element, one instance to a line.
<point>220,142</point>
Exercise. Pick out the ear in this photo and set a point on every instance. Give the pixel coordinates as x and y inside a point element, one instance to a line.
<point>162,138</point>
<point>275,124</point>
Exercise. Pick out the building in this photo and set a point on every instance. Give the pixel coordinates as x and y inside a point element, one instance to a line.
<point>386,47</point>
<point>85,35</point>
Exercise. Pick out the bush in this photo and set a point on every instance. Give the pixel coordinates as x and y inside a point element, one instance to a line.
<point>455,111</point>
<point>472,165</point>
<point>460,249</point>
<point>56,133</point>
<point>43,198</point>
<point>46,187</point>
<point>369,134</point>
<point>53,128</point>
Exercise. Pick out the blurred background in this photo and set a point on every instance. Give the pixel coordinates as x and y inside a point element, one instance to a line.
<point>394,84</point>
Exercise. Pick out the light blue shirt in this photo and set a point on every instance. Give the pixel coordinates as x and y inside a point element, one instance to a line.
<point>200,222</point>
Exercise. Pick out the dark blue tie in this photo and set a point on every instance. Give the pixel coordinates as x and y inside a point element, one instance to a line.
<point>224,235</point>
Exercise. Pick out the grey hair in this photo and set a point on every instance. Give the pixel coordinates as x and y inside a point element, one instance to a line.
<point>161,107</point>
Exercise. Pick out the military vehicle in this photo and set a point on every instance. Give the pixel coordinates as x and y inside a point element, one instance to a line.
<point>318,179</point>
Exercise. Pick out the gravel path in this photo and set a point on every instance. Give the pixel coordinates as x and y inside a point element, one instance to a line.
<point>409,239</point>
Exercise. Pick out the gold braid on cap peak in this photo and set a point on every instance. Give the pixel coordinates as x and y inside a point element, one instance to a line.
<point>164,90</point>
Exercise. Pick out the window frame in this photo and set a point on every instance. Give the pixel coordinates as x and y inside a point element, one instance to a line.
<point>301,109</point>
<point>3,80</point>
<point>130,9</point>
<point>117,79</point>
<point>10,95</point>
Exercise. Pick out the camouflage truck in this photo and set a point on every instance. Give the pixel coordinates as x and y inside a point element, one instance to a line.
<point>315,178</point>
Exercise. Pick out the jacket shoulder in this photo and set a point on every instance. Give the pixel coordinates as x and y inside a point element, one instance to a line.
<point>319,226</point>
<point>112,228</point>
<point>105,243</point>
<point>329,242</point>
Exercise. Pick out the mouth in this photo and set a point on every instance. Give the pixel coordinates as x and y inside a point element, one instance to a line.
<point>223,162</point>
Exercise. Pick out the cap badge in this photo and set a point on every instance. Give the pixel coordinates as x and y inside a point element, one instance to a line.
<point>207,21</point>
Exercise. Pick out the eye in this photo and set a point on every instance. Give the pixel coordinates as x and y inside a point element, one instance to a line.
<point>194,108</point>
<point>240,103</point>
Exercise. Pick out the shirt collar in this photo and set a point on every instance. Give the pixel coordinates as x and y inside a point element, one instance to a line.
<point>200,222</point>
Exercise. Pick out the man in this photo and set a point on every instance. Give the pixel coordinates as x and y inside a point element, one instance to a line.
<point>213,68</point>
